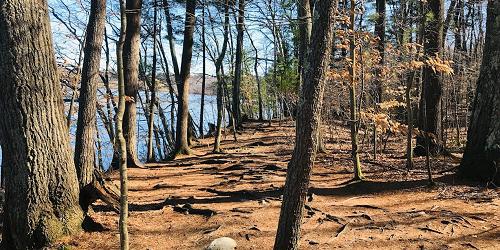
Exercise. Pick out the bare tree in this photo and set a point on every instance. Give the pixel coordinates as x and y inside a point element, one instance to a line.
<point>182,144</point>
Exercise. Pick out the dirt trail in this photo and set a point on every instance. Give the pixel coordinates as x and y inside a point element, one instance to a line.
<point>237,194</point>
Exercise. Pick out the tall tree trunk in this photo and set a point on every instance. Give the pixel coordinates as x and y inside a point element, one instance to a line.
<point>358,175</point>
<point>430,119</point>
<point>153,91</point>
<point>220,78</point>
<point>41,199</point>
<point>482,153</point>
<point>240,26</point>
<point>257,78</point>
<point>131,78</point>
<point>308,120</point>
<point>380,33</point>
<point>120,115</point>
<point>86,125</point>
<point>182,145</point>
<point>204,79</point>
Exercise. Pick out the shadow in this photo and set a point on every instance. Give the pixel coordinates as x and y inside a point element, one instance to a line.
<point>90,225</point>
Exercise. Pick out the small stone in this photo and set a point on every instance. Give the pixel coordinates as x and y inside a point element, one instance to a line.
<point>224,243</point>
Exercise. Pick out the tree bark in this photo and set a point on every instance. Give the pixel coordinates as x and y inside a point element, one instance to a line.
<point>86,125</point>
<point>182,145</point>
<point>204,79</point>
<point>358,175</point>
<point>305,29</point>
<point>380,33</point>
<point>240,26</point>
<point>153,92</point>
<point>131,78</point>
<point>41,199</point>
<point>120,115</point>
<point>430,119</point>
<point>308,120</point>
<point>482,153</point>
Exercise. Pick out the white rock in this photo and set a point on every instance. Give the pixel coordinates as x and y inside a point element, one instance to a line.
<point>224,243</point>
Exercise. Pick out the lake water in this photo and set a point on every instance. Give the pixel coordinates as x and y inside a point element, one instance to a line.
<point>210,115</point>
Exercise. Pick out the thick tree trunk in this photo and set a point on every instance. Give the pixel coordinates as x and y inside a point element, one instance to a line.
<point>240,26</point>
<point>41,199</point>
<point>131,78</point>
<point>86,125</point>
<point>482,153</point>
<point>308,120</point>
<point>182,145</point>
<point>430,113</point>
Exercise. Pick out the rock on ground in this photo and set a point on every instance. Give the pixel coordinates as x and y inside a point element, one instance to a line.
<point>224,243</point>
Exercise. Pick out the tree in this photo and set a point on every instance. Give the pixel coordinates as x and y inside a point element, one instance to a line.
<point>429,119</point>
<point>240,26</point>
<point>380,33</point>
<point>41,199</point>
<point>358,175</point>
<point>131,78</point>
<point>181,144</point>
<point>308,120</point>
<point>482,153</point>
<point>305,28</point>
<point>86,128</point>
<point>219,67</point>
<point>152,88</point>
<point>122,144</point>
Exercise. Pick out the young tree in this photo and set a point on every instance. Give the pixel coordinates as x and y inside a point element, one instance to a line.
<point>482,153</point>
<point>86,125</point>
<point>308,120</point>
<point>41,199</point>
<point>122,144</point>
<point>131,78</point>
<point>429,119</point>
<point>219,67</point>
<point>358,175</point>
<point>181,144</point>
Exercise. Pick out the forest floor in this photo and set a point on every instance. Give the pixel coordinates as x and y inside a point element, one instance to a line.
<point>237,194</point>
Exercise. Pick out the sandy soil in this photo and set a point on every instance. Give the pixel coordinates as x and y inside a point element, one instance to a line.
<point>237,194</point>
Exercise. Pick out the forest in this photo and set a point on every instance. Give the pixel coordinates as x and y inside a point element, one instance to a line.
<point>249,124</point>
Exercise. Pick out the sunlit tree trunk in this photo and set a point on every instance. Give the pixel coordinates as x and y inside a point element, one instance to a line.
<point>131,78</point>
<point>182,145</point>
<point>308,120</point>
<point>41,191</point>
<point>86,125</point>
<point>121,141</point>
